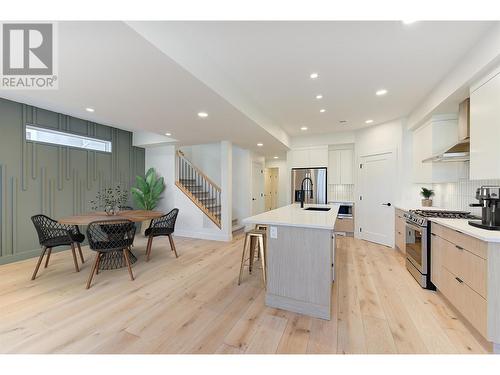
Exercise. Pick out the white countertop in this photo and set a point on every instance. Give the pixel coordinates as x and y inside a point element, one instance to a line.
<point>294,216</point>
<point>462,225</point>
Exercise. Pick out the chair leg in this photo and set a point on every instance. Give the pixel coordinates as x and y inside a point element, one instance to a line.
<point>127,260</point>
<point>148,248</point>
<point>80,251</point>
<point>74,257</point>
<point>243,259</point>
<point>98,263</point>
<point>263,259</point>
<point>44,249</point>
<point>48,257</point>
<point>93,270</point>
<point>172,245</point>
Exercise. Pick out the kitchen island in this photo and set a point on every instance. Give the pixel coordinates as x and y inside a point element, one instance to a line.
<point>300,257</point>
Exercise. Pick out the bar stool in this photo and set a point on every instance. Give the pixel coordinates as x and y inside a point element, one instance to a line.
<point>258,227</point>
<point>254,238</point>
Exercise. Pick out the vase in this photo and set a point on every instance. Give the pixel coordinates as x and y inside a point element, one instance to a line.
<point>108,210</point>
<point>426,202</point>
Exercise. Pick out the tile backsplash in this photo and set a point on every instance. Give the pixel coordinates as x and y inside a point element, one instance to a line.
<point>341,193</point>
<point>458,195</point>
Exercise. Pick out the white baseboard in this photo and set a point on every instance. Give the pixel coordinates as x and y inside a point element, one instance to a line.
<point>204,236</point>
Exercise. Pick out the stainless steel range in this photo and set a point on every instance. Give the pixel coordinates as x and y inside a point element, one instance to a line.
<point>418,241</point>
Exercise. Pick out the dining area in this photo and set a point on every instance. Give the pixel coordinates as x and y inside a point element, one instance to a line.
<point>110,236</point>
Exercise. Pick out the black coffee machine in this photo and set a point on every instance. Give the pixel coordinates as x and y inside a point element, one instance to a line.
<point>489,201</point>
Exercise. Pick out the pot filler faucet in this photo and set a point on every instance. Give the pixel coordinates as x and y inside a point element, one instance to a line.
<point>302,191</point>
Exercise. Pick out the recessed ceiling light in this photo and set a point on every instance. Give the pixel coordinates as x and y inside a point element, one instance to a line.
<point>202,114</point>
<point>88,109</point>
<point>304,128</point>
<point>381,92</point>
<point>319,96</point>
<point>260,144</point>
<point>314,75</point>
<point>368,121</point>
<point>322,110</point>
<point>275,157</point>
<point>168,134</point>
<point>408,22</point>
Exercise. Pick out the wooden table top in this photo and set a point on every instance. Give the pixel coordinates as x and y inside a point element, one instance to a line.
<point>132,215</point>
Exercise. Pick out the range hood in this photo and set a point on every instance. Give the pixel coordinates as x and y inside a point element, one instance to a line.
<point>460,150</point>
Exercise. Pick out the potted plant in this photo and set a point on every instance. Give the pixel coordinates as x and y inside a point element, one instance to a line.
<point>110,200</point>
<point>427,194</point>
<point>148,192</point>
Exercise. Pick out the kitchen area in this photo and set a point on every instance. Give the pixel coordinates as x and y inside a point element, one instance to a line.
<point>450,240</point>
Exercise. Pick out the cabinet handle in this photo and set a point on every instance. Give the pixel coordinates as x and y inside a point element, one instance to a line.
<point>459,280</point>
<point>433,234</point>
<point>459,247</point>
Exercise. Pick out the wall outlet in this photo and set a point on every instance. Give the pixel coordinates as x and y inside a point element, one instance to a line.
<point>273,233</point>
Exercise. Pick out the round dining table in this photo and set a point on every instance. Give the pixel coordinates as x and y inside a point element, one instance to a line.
<point>114,259</point>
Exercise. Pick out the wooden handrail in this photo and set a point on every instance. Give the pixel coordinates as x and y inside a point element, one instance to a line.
<point>203,175</point>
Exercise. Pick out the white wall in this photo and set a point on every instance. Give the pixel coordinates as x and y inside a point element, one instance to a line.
<point>207,157</point>
<point>283,180</point>
<point>323,139</point>
<point>242,184</point>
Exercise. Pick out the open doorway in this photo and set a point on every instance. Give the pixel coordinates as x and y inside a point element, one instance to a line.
<point>271,184</point>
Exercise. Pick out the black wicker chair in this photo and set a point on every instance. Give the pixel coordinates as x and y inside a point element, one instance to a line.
<point>52,234</point>
<point>162,226</point>
<point>118,236</point>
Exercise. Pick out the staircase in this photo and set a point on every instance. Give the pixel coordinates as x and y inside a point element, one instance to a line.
<point>202,191</point>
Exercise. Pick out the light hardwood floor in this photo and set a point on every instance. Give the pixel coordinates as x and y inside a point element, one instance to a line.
<point>193,305</point>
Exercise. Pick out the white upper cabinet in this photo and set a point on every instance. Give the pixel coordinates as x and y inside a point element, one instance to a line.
<point>430,139</point>
<point>340,166</point>
<point>485,129</point>
<point>308,157</point>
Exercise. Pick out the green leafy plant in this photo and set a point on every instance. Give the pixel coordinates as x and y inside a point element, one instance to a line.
<point>426,193</point>
<point>148,191</point>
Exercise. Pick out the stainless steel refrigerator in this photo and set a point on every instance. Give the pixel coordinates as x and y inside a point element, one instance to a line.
<point>319,185</point>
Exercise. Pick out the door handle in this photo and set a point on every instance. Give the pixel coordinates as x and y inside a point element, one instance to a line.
<point>386,204</point>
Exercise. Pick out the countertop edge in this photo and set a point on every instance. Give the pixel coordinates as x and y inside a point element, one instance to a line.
<point>472,231</point>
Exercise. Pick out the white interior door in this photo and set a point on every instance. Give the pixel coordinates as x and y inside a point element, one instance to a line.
<point>257,188</point>
<point>377,179</point>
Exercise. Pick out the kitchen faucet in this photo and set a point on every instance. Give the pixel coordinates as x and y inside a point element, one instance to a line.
<point>302,191</point>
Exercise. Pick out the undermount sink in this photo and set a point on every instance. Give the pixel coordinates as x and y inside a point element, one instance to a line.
<point>317,209</point>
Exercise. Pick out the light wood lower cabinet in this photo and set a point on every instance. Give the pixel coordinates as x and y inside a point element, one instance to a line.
<point>460,274</point>
<point>467,301</point>
<point>436,261</point>
<point>344,224</point>
<point>400,230</point>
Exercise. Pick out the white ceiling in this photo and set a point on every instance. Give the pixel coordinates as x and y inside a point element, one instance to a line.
<point>252,78</point>
<point>263,67</point>
<point>134,86</point>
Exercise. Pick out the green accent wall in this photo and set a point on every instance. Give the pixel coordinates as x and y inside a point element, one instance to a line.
<point>53,180</point>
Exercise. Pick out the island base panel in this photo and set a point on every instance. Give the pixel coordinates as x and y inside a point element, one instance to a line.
<point>299,270</point>
<point>300,307</point>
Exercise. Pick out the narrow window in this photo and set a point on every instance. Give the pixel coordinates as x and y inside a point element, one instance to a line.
<point>43,135</point>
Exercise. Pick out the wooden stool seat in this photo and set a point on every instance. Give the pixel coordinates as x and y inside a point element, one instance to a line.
<point>255,238</point>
